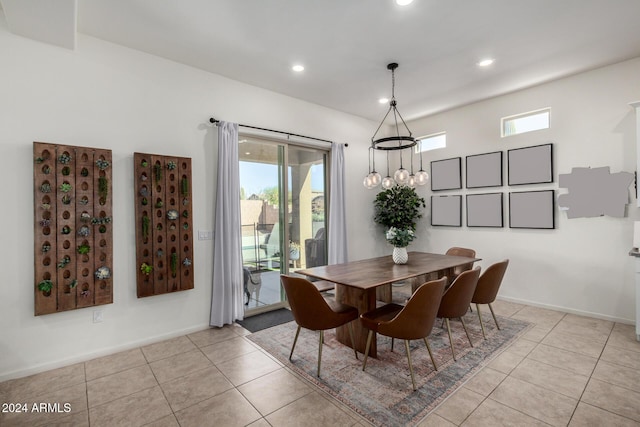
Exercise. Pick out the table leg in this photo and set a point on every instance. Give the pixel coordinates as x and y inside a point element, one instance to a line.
<point>422,279</point>
<point>364,300</point>
<point>384,293</point>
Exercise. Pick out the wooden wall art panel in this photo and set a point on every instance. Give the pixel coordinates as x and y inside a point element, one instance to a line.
<point>73,233</point>
<point>164,230</point>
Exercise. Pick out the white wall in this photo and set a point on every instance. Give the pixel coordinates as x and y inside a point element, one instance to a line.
<point>106,96</point>
<point>581,266</point>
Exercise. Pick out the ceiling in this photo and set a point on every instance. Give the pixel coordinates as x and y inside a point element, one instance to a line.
<point>345,45</point>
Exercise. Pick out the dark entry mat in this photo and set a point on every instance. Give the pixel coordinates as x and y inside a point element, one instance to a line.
<point>266,320</point>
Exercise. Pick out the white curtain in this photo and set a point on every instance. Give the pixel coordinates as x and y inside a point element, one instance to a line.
<point>337,235</point>
<point>227,303</point>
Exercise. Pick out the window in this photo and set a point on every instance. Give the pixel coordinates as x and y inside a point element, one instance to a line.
<point>526,122</point>
<point>431,142</point>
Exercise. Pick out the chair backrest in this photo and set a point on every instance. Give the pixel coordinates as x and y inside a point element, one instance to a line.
<point>455,301</point>
<point>456,251</point>
<point>310,309</point>
<point>416,319</point>
<point>489,283</point>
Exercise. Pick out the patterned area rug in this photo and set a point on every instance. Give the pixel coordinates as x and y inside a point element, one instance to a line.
<point>383,393</point>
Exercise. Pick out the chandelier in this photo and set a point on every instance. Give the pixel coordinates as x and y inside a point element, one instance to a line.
<point>395,143</point>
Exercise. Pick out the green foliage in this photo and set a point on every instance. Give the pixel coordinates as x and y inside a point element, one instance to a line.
<point>65,187</point>
<point>146,268</point>
<point>103,187</point>
<point>400,238</point>
<point>184,186</point>
<point>102,164</point>
<point>399,207</point>
<point>64,261</point>
<point>84,249</point>
<point>146,221</point>
<point>158,171</point>
<point>45,285</point>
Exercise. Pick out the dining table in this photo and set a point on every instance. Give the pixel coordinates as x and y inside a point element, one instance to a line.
<point>362,283</point>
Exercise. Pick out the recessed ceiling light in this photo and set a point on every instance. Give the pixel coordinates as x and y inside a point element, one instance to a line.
<point>298,68</point>
<point>383,100</point>
<point>403,2</point>
<point>485,62</point>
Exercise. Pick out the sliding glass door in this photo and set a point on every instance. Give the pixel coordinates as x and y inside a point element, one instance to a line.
<point>282,225</point>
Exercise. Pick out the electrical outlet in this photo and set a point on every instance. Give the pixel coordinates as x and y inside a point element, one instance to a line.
<point>97,316</point>
<point>205,235</point>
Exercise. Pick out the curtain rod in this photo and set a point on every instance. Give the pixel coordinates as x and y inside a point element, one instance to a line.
<point>216,121</point>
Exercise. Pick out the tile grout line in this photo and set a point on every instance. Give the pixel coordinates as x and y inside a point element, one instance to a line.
<point>591,375</point>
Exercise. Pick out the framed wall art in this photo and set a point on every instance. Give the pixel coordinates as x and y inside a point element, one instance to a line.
<point>532,209</point>
<point>446,211</point>
<point>485,210</point>
<point>484,170</point>
<point>530,165</point>
<point>446,174</point>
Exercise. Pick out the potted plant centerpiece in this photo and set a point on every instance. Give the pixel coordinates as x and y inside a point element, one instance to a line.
<point>397,209</point>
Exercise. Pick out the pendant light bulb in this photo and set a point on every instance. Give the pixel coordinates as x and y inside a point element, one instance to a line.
<point>387,182</point>
<point>367,182</point>
<point>412,181</point>
<point>422,177</point>
<point>401,176</point>
<point>376,178</point>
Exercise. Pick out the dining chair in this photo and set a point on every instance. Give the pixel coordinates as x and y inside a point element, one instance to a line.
<point>456,251</point>
<point>409,322</point>
<point>487,289</point>
<point>455,301</point>
<point>314,312</point>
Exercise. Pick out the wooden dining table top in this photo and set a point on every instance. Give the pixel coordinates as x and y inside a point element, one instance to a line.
<point>374,272</point>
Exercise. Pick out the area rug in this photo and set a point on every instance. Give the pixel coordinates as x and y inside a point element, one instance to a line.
<point>383,394</point>
<point>266,320</point>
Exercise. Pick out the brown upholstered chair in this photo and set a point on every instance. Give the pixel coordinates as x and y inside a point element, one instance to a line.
<point>312,311</point>
<point>410,322</point>
<point>455,301</point>
<point>456,251</point>
<point>487,289</point>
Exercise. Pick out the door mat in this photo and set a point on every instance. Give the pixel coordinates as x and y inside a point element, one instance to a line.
<point>266,320</point>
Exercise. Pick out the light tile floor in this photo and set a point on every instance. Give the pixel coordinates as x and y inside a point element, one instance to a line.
<point>566,371</point>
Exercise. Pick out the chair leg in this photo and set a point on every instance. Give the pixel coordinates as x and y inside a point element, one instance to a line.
<point>353,340</point>
<point>466,332</point>
<point>450,339</point>
<point>481,324</point>
<point>320,351</point>
<point>391,343</point>
<point>494,316</point>
<point>295,340</point>
<point>430,353</point>
<point>366,350</point>
<point>406,346</point>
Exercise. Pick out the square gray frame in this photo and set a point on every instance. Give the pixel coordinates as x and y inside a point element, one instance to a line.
<point>530,165</point>
<point>532,209</point>
<point>485,210</point>
<point>446,211</point>
<point>446,174</point>
<point>484,170</point>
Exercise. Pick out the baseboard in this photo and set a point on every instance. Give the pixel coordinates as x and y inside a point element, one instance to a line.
<point>99,353</point>
<point>569,310</point>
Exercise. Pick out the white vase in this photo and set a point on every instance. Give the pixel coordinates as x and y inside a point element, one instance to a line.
<point>400,255</point>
